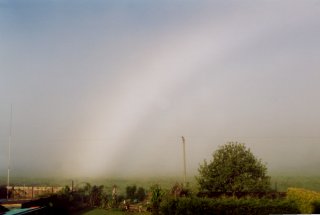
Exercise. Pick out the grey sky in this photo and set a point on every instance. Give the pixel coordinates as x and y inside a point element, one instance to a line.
<point>108,87</point>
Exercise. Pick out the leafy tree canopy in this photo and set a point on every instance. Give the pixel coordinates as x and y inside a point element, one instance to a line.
<point>233,169</point>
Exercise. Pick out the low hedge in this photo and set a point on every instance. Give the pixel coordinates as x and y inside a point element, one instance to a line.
<point>225,206</point>
<point>308,201</point>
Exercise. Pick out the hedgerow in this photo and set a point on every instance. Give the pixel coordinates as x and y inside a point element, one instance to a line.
<point>307,201</point>
<point>226,206</point>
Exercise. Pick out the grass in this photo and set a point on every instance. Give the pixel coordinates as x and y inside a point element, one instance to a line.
<point>282,183</point>
<point>99,211</point>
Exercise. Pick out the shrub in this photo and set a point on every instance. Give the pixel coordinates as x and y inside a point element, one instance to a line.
<point>135,194</point>
<point>233,168</point>
<point>156,198</point>
<point>307,200</point>
<point>130,191</point>
<point>204,206</point>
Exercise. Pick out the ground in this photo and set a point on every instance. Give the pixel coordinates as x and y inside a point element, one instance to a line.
<point>106,212</point>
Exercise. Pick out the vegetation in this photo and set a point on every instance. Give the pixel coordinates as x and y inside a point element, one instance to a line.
<point>307,200</point>
<point>233,169</point>
<point>280,181</point>
<point>86,197</point>
<point>98,211</point>
<point>283,182</point>
<point>204,206</point>
<point>234,177</point>
<point>178,190</point>
<point>134,194</point>
<point>156,198</point>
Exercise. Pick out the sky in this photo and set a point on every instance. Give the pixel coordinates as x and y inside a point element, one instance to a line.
<point>107,88</point>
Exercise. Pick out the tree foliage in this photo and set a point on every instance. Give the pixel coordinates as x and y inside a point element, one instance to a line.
<point>135,194</point>
<point>241,206</point>
<point>156,198</point>
<point>96,195</point>
<point>131,190</point>
<point>233,169</point>
<point>141,194</point>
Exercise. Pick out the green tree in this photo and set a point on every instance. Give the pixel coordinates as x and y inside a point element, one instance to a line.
<point>96,195</point>
<point>130,191</point>
<point>141,194</point>
<point>156,198</point>
<point>233,169</point>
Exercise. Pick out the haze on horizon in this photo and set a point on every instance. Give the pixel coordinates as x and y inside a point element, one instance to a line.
<point>107,88</point>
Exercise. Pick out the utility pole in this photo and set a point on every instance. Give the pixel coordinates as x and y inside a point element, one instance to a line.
<point>184,160</point>
<point>9,153</point>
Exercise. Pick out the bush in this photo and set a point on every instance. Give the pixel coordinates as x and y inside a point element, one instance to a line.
<point>233,168</point>
<point>141,194</point>
<point>219,206</point>
<point>307,200</point>
<point>135,194</point>
<point>156,198</point>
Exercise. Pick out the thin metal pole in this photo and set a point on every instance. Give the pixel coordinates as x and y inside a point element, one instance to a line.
<point>184,160</point>
<point>9,153</point>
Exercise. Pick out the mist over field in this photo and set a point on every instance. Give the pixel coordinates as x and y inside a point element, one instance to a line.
<point>107,88</point>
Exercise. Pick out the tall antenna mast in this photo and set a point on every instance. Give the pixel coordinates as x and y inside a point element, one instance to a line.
<point>9,153</point>
<point>184,160</point>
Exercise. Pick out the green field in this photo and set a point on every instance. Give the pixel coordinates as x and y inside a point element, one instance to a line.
<point>282,183</point>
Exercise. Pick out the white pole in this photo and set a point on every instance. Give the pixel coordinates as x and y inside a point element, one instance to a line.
<point>9,153</point>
